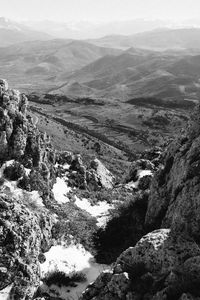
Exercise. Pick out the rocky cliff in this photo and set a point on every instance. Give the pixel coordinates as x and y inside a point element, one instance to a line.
<point>165,263</point>
<point>26,160</point>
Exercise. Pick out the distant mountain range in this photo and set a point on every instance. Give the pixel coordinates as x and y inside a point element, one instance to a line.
<point>161,39</point>
<point>85,30</point>
<point>13,32</point>
<point>160,63</point>
<point>138,73</point>
<point>41,62</point>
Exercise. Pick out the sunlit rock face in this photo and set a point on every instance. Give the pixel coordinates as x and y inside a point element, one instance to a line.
<point>26,164</point>
<point>21,140</point>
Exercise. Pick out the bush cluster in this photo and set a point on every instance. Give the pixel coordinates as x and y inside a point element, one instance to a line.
<point>62,279</point>
<point>14,171</point>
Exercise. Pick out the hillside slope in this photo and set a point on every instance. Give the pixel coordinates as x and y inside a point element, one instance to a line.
<point>38,63</point>
<point>139,73</point>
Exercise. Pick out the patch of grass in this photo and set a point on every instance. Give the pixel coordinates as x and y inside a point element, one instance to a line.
<point>109,196</point>
<point>2,180</point>
<point>75,222</point>
<point>62,279</point>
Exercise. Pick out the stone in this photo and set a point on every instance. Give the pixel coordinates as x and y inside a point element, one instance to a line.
<point>4,85</point>
<point>136,166</point>
<point>20,243</point>
<point>105,177</point>
<point>157,257</point>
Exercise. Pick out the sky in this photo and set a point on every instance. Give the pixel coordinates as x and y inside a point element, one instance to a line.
<point>99,10</point>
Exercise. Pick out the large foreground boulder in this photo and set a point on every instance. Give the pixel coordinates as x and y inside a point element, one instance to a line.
<point>160,266</point>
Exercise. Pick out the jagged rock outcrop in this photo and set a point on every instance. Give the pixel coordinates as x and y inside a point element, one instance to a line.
<point>92,177</point>
<point>105,177</point>
<point>21,140</point>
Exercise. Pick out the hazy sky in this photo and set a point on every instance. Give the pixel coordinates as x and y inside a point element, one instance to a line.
<point>99,10</point>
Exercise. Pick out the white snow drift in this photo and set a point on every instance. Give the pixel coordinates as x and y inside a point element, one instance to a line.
<point>60,190</point>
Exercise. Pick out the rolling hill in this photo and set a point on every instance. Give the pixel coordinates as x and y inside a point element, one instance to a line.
<point>39,62</point>
<point>139,73</point>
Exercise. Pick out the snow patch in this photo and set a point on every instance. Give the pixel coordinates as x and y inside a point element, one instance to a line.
<point>140,174</point>
<point>66,166</point>
<point>99,211</point>
<point>27,171</point>
<point>73,258</point>
<point>10,188</point>
<point>5,293</point>
<point>60,190</point>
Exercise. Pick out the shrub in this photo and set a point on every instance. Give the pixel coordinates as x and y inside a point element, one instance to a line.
<point>14,171</point>
<point>35,181</point>
<point>62,279</point>
<point>144,182</point>
<point>2,180</point>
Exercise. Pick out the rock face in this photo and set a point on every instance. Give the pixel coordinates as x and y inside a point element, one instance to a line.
<point>105,177</point>
<point>20,139</point>
<point>164,264</point>
<point>21,240</point>
<point>175,191</point>
<point>160,266</point>
<point>25,230</point>
<point>94,177</point>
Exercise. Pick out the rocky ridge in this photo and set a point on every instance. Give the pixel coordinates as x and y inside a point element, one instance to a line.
<point>29,168</point>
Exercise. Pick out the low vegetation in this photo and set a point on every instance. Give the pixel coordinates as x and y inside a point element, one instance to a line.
<point>14,171</point>
<point>153,101</point>
<point>62,279</point>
